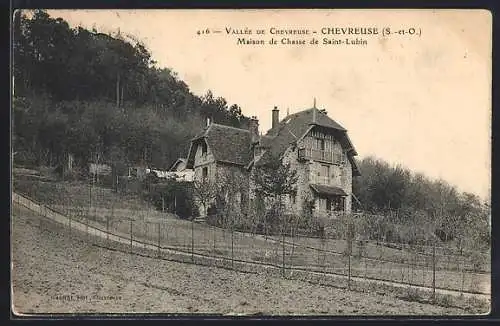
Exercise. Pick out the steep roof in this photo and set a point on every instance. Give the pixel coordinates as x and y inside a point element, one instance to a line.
<point>302,119</point>
<point>177,162</point>
<point>228,144</point>
<point>233,145</point>
<point>296,125</point>
<point>266,141</point>
<point>328,190</point>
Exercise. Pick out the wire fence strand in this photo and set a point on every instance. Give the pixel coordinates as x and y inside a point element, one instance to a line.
<point>142,231</point>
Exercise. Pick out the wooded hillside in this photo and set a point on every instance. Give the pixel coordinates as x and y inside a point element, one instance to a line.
<point>89,93</point>
<point>414,199</point>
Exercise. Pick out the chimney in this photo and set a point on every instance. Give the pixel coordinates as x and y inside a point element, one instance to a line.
<point>314,115</point>
<point>276,117</point>
<point>253,127</point>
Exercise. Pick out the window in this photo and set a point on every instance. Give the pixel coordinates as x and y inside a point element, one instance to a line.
<point>322,144</point>
<point>325,170</point>
<point>293,199</point>
<point>204,173</point>
<point>204,149</point>
<point>325,174</point>
<point>328,205</point>
<point>322,204</point>
<point>338,204</point>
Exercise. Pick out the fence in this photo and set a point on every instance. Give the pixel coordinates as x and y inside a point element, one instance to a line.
<point>336,261</point>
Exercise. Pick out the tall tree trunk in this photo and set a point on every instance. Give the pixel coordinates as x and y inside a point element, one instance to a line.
<point>121,98</point>
<point>117,90</point>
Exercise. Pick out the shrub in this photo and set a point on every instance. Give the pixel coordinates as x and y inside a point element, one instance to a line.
<point>129,185</point>
<point>176,197</point>
<point>24,156</point>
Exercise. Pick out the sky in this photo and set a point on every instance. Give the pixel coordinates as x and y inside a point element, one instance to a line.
<point>422,101</point>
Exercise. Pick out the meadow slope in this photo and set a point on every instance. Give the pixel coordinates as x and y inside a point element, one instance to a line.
<point>53,273</point>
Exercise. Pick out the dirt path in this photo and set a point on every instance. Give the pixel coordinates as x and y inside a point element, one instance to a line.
<point>54,273</point>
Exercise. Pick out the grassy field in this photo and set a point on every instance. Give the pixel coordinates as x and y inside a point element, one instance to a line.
<point>179,234</point>
<point>53,273</point>
<point>75,194</point>
<point>415,255</point>
<point>133,217</point>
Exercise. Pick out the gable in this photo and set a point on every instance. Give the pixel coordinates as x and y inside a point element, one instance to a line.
<point>296,126</point>
<point>298,123</point>
<point>227,144</point>
<point>178,165</point>
<point>233,145</point>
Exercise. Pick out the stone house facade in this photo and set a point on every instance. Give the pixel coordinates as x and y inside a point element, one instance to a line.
<point>314,145</point>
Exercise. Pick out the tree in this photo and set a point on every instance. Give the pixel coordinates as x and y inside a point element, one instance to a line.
<point>205,192</point>
<point>174,196</point>
<point>106,92</point>
<point>231,199</point>
<point>274,180</point>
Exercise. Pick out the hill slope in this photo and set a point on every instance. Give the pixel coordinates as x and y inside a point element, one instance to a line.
<point>50,271</point>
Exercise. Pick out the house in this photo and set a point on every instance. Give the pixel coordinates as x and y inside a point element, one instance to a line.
<point>179,165</point>
<point>315,146</point>
<point>180,171</point>
<point>159,173</point>
<point>182,175</point>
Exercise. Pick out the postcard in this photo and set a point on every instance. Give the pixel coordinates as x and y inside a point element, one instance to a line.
<point>285,162</point>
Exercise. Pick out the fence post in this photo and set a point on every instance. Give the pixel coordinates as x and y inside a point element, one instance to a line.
<point>424,266</point>
<point>87,226</point>
<point>214,230</point>
<point>349,277</point>
<point>107,228</point>
<point>232,247</point>
<point>265,228</point>
<point>350,238</point>
<point>90,198</point>
<point>463,276</point>
<point>292,253</point>
<point>408,263</point>
<point>159,239</point>
<point>130,236</point>
<point>146,232</point>
<point>319,253</point>
<point>69,217</point>
<point>192,239</point>
<point>166,229</point>
<point>325,253</point>
<point>434,270</point>
<point>283,247</point>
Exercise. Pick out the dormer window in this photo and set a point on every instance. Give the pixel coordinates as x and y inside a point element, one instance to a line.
<point>204,149</point>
